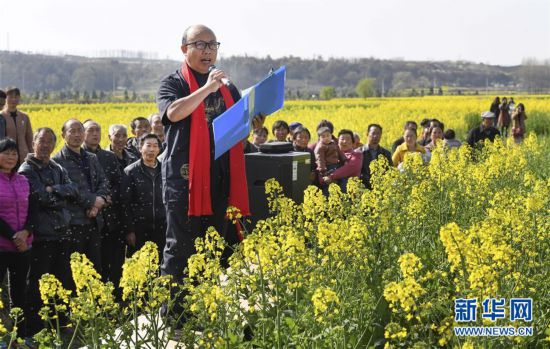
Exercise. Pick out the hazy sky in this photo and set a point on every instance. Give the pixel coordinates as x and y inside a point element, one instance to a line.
<point>489,31</point>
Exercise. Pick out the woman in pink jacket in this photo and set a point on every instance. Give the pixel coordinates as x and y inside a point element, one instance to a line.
<point>352,167</point>
<point>15,233</point>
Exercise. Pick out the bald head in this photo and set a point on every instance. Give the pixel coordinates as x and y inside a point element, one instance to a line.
<point>200,47</point>
<point>69,123</point>
<point>91,123</point>
<point>92,134</point>
<point>73,134</point>
<point>190,34</point>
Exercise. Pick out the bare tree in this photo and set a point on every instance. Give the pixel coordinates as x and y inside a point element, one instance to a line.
<point>535,75</point>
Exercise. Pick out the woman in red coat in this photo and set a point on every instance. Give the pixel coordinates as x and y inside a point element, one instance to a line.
<point>352,167</point>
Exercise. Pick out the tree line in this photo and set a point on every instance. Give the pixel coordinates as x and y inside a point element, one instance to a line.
<point>44,77</point>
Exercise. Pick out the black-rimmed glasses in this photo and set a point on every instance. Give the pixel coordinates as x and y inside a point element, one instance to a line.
<point>201,45</point>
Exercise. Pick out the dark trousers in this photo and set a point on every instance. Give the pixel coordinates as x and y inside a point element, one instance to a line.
<point>504,131</point>
<point>156,234</point>
<point>86,239</point>
<point>182,231</point>
<point>112,256</point>
<point>51,257</point>
<point>16,265</point>
<point>330,169</point>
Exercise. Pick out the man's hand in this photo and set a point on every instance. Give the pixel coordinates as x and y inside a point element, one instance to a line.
<point>92,212</point>
<point>258,121</point>
<point>327,180</point>
<point>131,239</point>
<point>99,202</point>
<point>214,81</point>
<point>21,246</point>
<point>20,240</point>
<point>22,234</point>
<point>183,107</point>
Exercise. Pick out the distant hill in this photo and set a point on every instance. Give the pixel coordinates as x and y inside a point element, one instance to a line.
<point>35,74</point>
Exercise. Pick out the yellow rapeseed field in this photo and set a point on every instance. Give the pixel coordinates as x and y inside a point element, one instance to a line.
<point>354,114</point>
<point>389,267</point>
<point>430,249</point>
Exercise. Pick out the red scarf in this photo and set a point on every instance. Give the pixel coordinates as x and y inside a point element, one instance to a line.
<point>199,159</point>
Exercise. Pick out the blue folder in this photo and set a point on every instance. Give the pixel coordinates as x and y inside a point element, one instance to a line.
<point>234,124</point>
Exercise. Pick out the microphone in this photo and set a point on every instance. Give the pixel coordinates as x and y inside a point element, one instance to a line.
<point>224,81</point>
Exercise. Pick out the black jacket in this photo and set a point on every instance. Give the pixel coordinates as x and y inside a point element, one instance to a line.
<point>175,163</point>
<point>368,158</point>
<point>112,214</point>
<point>495,108</point>
<point>142,196</point>
<point>128,158</point>
<point>2,128</point>
<point>396,144</point>
<point>86,172</point>
<point>480,134</point>
<point>50,217</point>
<point>250,148</point>
<point>132,145</point>
<point>144,210</point>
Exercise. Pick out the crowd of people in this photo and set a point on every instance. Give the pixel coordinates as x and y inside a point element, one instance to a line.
<point>106,203</point>
<point>508,114</point>
<point>337,158</point>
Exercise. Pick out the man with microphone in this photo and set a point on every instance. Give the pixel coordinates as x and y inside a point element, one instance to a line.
<point>198,189</point>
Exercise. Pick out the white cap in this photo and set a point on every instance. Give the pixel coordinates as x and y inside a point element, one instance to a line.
<point>487,115</point>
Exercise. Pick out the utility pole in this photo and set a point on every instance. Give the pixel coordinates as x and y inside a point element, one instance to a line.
<point>383,89</point>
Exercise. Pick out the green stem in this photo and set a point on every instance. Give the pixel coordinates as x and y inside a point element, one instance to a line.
<point>278,318</point>
<point>58,327</point>
<point>136,323</point>
<point>74,335</point>
<point>13,336</point>
<point>264,300</point>
<point>462,262</point>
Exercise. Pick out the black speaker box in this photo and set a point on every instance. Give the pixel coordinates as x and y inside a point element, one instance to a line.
<point>276,147</point>
<point>292,170</point>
